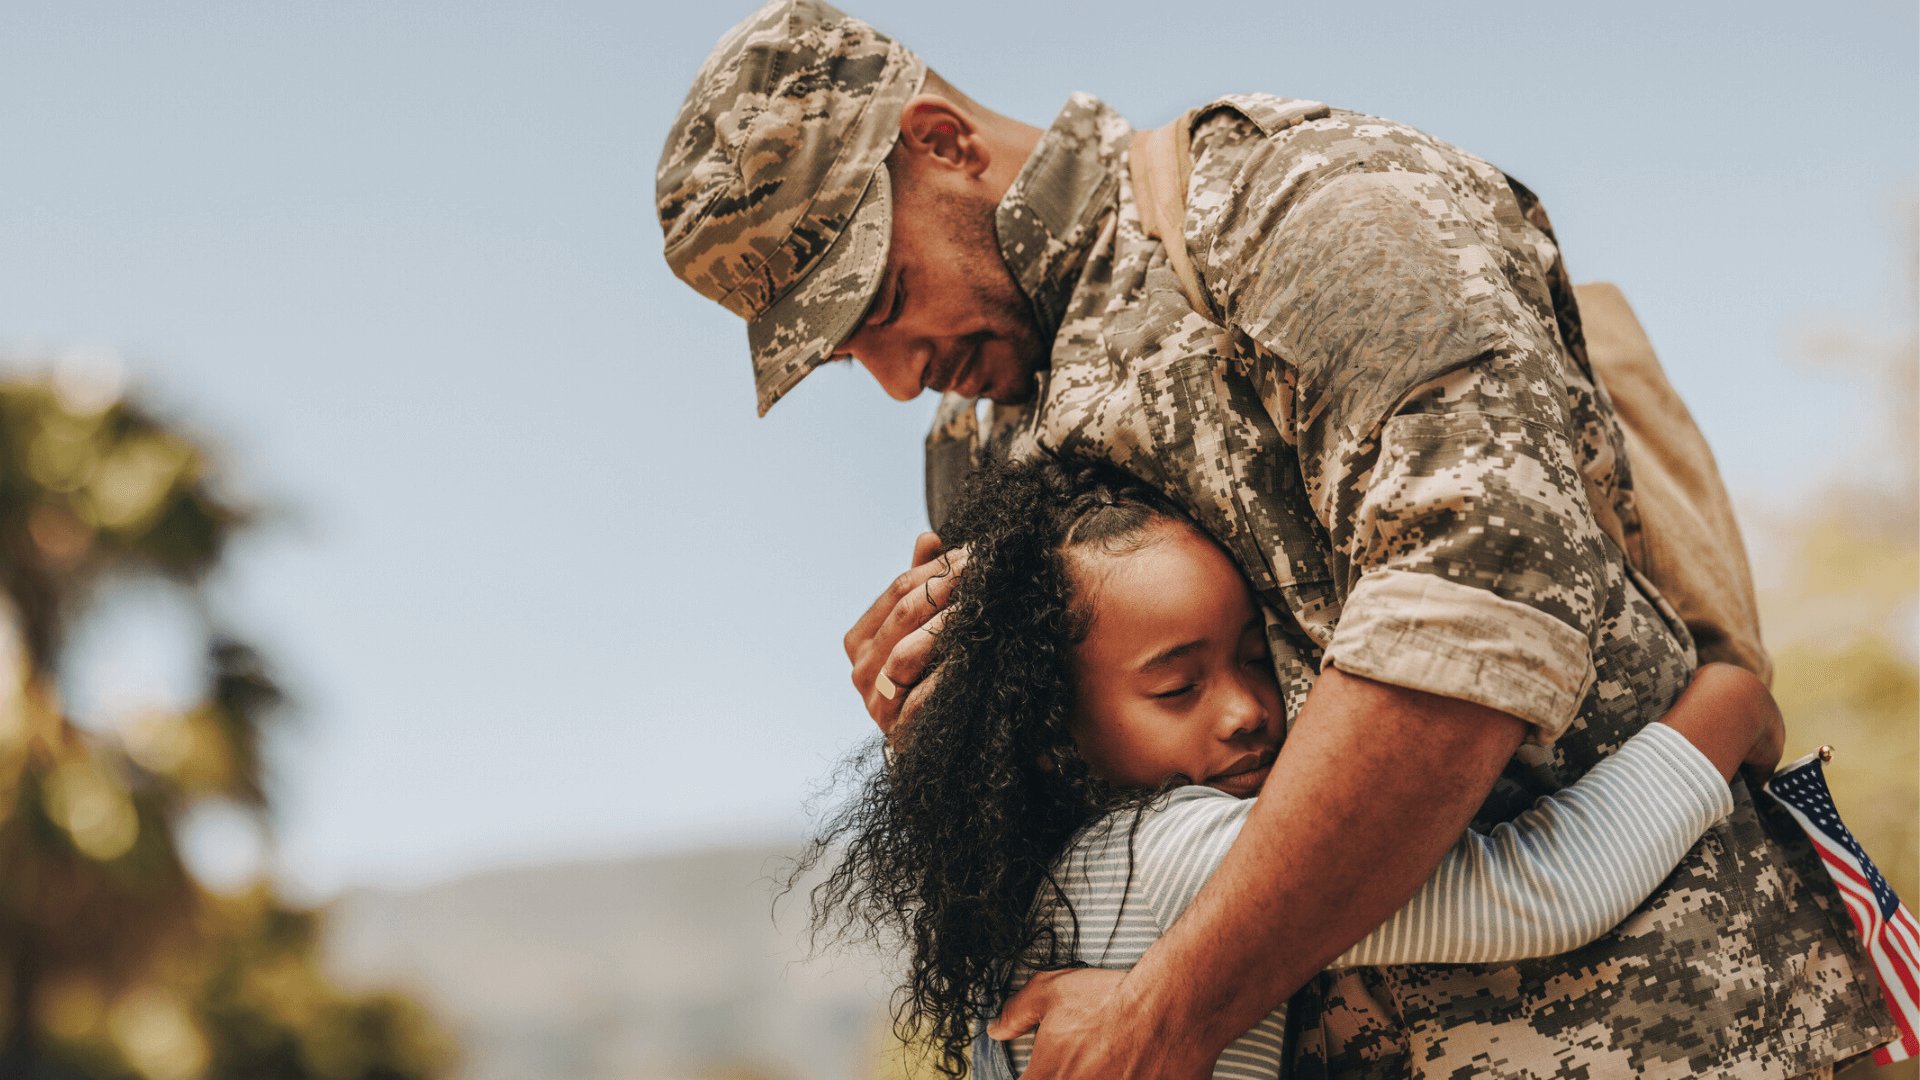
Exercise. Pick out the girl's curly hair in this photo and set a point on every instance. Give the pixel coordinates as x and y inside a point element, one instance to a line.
<point>949,845</point>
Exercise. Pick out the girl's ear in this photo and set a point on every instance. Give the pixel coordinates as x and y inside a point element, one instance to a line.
<point>1045,761</point>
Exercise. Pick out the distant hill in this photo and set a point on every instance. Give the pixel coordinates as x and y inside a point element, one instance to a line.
<point>651,969</point>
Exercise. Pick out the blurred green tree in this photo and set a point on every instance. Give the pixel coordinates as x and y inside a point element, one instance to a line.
<point>116,962</point>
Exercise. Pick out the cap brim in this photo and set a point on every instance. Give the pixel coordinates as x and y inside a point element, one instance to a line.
<point>801,329</point>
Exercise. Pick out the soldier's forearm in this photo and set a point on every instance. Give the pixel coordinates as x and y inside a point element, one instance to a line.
<point>1373,785</point>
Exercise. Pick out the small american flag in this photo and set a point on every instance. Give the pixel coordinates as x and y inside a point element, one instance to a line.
<point>1887,927</point>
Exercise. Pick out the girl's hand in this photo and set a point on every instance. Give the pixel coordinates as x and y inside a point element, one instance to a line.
<point>1729,715</point>
<point>1764,757</point>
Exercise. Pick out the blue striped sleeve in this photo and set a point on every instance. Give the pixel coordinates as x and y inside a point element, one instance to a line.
<point>1555,878</point>
<point>1564,872</point>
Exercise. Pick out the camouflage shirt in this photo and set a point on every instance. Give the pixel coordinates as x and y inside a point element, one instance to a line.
<point>1388,420</point>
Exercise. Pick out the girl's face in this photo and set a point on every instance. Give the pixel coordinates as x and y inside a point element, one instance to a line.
<point>1174,676</point>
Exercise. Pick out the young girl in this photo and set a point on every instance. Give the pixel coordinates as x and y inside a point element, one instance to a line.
<point>1105,708</point>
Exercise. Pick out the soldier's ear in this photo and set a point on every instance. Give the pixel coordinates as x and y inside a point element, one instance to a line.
<point>937,133</point>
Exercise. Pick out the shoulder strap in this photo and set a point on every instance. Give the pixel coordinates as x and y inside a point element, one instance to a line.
<point>1161,165</point>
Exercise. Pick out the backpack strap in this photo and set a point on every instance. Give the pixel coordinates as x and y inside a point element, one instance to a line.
<point>1161,165</point>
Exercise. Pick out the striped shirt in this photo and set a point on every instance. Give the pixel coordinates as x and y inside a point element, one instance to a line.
<point>1553,879</point>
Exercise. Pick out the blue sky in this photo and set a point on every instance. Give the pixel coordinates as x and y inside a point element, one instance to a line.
<point>542,584</point>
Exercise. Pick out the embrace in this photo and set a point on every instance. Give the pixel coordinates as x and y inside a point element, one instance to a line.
<point>1273,463</point>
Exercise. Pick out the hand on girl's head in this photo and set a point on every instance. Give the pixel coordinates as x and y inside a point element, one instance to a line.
<point>891,645</point>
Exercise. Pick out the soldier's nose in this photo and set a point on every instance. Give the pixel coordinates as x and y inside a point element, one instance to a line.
<point>896,375</point>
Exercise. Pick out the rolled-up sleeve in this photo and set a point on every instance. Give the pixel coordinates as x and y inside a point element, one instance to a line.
<point>1473,560</point>
<point>1458,641</point>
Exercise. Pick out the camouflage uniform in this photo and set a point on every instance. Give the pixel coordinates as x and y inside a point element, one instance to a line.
<point>1396,435</point>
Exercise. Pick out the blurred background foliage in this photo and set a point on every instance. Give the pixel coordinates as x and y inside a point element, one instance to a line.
<point>1840,604</point>
<point>116,962</point>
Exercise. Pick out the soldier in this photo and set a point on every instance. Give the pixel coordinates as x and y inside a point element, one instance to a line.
<point>1379,402</point>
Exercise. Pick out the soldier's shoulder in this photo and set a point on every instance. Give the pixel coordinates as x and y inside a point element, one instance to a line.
<point>1269,114</point>
<point>1263,153</point>
<point>1302,127</point>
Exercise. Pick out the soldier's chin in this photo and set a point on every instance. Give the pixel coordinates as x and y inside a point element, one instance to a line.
<point>1019,393</point>
<point>1012,382</point>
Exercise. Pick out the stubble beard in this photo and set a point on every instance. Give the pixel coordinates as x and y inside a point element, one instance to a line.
<point>1012,335</point>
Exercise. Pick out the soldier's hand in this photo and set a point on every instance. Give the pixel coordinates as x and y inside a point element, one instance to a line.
<point>1082,1031</point>
<point>892,643</point>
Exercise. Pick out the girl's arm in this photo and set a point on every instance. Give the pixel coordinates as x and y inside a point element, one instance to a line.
<point>1553,879</point>
<point>1581,860</point>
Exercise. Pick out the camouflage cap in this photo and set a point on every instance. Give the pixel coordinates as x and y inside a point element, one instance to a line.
<point>773,188</point>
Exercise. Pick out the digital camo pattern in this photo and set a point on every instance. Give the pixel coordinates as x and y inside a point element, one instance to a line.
<point>1393,394</point>
<point>772,189</point>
